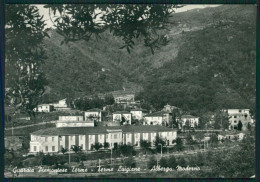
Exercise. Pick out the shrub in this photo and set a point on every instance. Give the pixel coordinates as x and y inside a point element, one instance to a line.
<point>83,157</point>
<point>126,150</point>
<point>172,162</point>
<point>49,160</point>
<point>130,162</point>
<point>96,146</point>
<point>30,162</point>
<point>200,159</point>
<point>163,162</point>
<point>64,150</point>
<point>152,162</point>
<point>106,145</point>
<point>179,144</point>
<point>182,162</point>
<point>145,145</point>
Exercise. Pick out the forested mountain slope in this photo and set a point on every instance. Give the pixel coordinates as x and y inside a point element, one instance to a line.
<point>209,62</point>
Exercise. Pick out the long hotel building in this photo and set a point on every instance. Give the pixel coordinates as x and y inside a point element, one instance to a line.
<point>53,139</point>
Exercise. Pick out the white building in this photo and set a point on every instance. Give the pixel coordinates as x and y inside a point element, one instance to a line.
<point>169,108</point>
<point>51,140</point>
<point>237,115</point>
<point>157,118</point>
<point>231,135</point>
<point>61,105</point>
<point>73,121</point>
<point>124,96</point>
<point>94,114</point>
<point>44,108</point>
<point>191,120</point>
<point>119,115</point>
<point>138,113</point>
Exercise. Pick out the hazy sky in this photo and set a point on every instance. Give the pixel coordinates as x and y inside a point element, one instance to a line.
<point>45,12</point>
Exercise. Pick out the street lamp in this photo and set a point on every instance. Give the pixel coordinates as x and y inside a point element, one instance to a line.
<point>69,155</point>
<point>111,155</point>
<point>161,148</point>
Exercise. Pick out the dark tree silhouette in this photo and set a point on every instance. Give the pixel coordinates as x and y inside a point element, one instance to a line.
<point>76,148</point>
<point>145,145</point>
<point>24,33</point>
<point>239,126</point>
<point>129,22</point>
<point>96,146</point>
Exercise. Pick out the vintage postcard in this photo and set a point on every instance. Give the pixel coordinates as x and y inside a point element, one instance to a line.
<point>130,91</point>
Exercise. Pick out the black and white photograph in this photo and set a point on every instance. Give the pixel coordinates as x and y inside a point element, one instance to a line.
<point>130,90</point>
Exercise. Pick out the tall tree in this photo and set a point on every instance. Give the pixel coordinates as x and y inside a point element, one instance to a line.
<point>25,80</point>
<point>222,119</point>
<point>239,126</point>
<point>109,99</point>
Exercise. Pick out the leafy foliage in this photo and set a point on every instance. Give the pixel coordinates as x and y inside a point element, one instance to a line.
<point>163,162</point>
<point>239,162</point>
<point>151,162</point>
<point>211,76</point>
<point>130,162</point>
<point>76,148</point>
<point>239,126</point>
<point>25,55</point>
<point>106,145</point>
<point>88,103</point>
<point>159,142</point>
<point>171,162</point>
<point>145,145</point>
<point>109,99</point>
<point>64,150</point>
<point>221,120</point>
<point>179,144</point>
<point>126,150</point>
<point>80,22</point>
<point>96,146</point>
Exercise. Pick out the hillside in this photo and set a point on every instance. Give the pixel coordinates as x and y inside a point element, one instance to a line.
<point>209,62</point>
<point>215,66</point>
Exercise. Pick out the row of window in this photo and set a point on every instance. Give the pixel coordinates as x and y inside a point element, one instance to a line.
<point>61,146</point>
<point>53,148</point>
<point>46,148</point>
<point>236,121</point>
<point>240,116</point>
<point>112,136</point>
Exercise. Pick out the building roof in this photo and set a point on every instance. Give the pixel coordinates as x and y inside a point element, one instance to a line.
<point>96,130</point>
<point>94,110</point>
<point>160,113</point>
<point>44,105</point>
<point>120,93</point>
<point>174,107</point>
<point>121,112</point>
<point>140,109</point>
<point>145,128</point>
<point>189,116</point>
<point>236,109</point>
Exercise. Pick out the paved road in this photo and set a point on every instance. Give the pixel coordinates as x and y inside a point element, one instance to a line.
<point>26,126</point>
